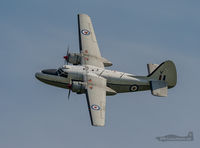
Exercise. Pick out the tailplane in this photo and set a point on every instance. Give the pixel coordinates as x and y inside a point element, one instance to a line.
<point>190,134</point>
<point>162,77</point>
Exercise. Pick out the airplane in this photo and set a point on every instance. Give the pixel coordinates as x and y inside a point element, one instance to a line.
<point>189,137</point>
<point>87,75</point>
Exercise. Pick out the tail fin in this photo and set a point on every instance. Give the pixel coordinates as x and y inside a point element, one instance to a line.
<point>163,76</point>
<point>190,134</point>
<point>165,72</point>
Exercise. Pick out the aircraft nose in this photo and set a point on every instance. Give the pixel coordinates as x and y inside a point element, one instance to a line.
<point>50,71</point>
<point>37,75</point>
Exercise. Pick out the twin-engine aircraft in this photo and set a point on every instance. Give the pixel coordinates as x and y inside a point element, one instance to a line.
<point>87,75</point>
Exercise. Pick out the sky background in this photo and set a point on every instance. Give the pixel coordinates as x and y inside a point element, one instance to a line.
<point>131,33</point>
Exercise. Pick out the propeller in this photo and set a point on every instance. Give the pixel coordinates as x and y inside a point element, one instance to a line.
<point>69,87</point>
<point>69,93</point>
<point>66,57</point>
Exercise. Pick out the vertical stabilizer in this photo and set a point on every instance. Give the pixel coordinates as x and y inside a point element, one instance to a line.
<point>162,77</point>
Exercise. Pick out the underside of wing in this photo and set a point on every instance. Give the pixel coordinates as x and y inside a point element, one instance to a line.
<point>88,44</point>
<point>96,98</point>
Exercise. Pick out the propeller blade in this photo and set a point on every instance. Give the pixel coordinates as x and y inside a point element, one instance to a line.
<point>69,93</point>
<point>67,53</point>
<point>67,50</point>
<point>69,87</point>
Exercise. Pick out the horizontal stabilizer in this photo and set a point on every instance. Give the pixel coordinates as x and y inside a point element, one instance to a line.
<point>110,92</point>
<point>151,67</point>
<point>159,88</point>
<point>106,62</point>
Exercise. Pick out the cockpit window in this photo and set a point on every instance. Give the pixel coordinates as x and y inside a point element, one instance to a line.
<point>61,73</point>
<point>50,71</point>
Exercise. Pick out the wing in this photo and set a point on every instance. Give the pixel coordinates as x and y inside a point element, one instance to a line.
<point>88,44</point>
<point>96,98</point>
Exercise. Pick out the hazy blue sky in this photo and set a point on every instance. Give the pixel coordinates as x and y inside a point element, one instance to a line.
<point>131,33</point>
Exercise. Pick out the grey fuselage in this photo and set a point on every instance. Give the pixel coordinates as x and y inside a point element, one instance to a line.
<point>118,81</point>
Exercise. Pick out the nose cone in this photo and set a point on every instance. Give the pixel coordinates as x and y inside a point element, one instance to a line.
<point>38,75</point>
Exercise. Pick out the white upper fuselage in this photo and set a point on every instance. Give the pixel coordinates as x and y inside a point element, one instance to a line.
<point>118,81</point>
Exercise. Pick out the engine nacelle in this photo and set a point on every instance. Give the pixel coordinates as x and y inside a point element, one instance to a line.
<point>73,58</point>
<point>78,87</point>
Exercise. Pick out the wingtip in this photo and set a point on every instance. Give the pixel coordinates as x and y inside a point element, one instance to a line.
<point>83,14</point>
<point>98,125</point>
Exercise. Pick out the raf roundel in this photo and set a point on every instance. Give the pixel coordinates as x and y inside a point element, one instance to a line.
<point>95,107</point>
<point>133,87</point>
<point>85,32</point>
